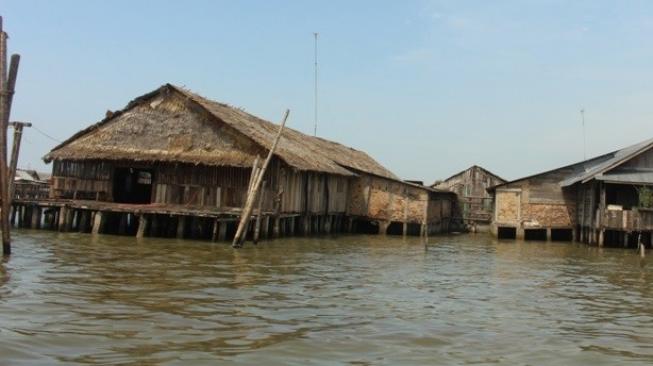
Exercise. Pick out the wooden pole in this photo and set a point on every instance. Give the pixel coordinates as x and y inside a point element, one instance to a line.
<point>257,226</point>
<point>4,221</point>
<point>15,149</point>
<point>249,203</point>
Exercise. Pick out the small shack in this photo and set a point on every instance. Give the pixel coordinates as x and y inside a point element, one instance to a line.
<point>475,203</point>
<point>173,163</point>
<point>603,200</point>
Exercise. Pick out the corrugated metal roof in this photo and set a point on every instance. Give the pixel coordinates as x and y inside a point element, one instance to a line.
<point>629,176</point>
<point>618,157</point>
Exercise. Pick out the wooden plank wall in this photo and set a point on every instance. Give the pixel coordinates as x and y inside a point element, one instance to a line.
<point>198,185</point>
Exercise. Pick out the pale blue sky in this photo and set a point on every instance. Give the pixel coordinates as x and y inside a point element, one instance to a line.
<point>426,87</point>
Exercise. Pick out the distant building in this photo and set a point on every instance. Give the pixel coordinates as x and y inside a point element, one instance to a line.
<point>606,199</point>
<point>475,203</point>
<point>30,184</point>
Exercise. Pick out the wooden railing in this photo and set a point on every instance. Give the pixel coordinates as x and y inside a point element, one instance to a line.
<point>629,220</point>
<point>31,190</point>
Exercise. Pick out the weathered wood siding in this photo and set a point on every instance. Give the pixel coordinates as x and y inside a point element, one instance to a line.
<point>207,186</point>
<point>537,202</point>
<point>471,185</point>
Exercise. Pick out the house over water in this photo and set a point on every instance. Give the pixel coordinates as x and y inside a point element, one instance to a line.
<point>475,204</point>
<point>604,200</point>
<point>173,163</point>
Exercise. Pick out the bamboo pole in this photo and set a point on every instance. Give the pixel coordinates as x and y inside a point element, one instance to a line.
<point>15,149</point>
<point>257,226</point>
<point>249,203</point>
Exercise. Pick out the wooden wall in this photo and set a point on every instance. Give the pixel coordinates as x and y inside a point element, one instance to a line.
<point>208,186</point>
<point>471,185</point>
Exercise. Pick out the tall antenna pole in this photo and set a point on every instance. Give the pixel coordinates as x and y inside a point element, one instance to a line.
<point>582,116</point>
<point>315,127</point>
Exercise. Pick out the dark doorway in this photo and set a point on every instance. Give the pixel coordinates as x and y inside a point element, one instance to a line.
<point>131,185</point>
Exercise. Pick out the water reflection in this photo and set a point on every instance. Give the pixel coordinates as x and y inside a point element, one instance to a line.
<point>67,298</point>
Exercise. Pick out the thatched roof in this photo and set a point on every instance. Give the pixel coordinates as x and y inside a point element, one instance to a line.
<point>146,132</point>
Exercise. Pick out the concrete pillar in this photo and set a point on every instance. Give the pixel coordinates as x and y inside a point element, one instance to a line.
<point>601,237</point>
<point>520,233</point>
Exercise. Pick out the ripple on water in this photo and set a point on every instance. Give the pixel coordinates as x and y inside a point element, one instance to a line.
<point>76,299</point>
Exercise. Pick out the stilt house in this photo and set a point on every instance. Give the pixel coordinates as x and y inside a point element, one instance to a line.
<point>606,199</point>
<point>172,153</point>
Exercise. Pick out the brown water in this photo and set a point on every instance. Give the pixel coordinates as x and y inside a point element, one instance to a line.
<point>74,299</point>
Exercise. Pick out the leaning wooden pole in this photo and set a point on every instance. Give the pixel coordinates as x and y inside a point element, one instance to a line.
<point>249,203</point>
<point>15,150</point>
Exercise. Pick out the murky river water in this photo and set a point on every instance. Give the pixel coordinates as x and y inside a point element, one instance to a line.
<point>74,299</point>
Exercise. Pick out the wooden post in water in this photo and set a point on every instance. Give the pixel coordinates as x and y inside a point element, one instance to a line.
<point>142,226</point>
<point>249,203</point>
<point>7,86</point>
<point>181,226</point>
<point>97,223</point>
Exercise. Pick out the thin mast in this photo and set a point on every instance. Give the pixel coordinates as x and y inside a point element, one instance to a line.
<point>315,91</point>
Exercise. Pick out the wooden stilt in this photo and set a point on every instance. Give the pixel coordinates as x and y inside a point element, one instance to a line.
<point>36,217</point>
<point>214,230</point>
<point>181,226</point>
<point>276,228</point>
<point>265,229</point>
<point>12,220</point>
<point>83,221</point>
<point>63,216</point>
<point>98,223</point>
<point>143,222</point>
<point>122,224</point>
<point>222,231</point>
<point>291,226</point>
<point>154,225</point>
